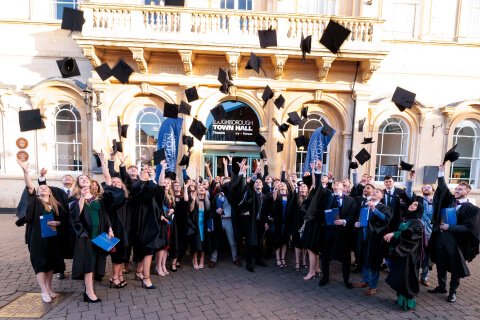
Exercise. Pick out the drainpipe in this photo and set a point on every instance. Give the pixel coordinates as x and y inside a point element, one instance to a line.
<point>354,114</point>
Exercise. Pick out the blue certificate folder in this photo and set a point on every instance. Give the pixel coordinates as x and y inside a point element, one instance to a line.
<point>331,215</point>
<point>363,218</point>
<point>448,216</point>
<point>104,242</point>
<point>47,231</point>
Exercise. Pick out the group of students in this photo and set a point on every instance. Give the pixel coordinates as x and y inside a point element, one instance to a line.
<point>155,219</point>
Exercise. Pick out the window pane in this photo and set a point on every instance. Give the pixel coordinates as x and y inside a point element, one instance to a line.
<point>392,146</point>
<point>68,146</point>
<point>148,134</point>
<point>60,4</point>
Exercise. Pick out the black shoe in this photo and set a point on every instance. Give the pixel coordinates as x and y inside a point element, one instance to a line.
<point>86,298</point>
<point>358,269</point>
<point>323,282</point>
<point>452,297</point>
<point>438,290</point>
<point>260,263</point>
<point>249,268</point>
<point>348,284</point>
<point>60,276</point>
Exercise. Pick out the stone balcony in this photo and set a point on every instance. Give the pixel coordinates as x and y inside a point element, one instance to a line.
<point>144,29</point>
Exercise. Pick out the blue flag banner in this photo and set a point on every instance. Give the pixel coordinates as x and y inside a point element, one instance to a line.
<point>316,147</point>
<point>168,138</point>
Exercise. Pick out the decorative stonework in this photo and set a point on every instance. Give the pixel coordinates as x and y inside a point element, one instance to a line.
<point>141,56</point>
<point>318,95</point>
<point>188,57</point>
<point>368,68</point>
<point>279,61</point>
<point>448,113</point>
<point>145,87</point>
<point>233,59</point>
<point>93,54</point>
<point>324,64</point>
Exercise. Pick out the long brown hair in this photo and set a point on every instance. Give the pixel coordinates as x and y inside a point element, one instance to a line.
<point>300,197</point>
<point>124,187</point>
<point>54,203</point>
<point>77,190</point>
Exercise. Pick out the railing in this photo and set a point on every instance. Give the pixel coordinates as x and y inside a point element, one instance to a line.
<point>216,26</point>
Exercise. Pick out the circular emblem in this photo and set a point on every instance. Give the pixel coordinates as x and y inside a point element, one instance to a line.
<point>22,143</point>
<point>22,156</point>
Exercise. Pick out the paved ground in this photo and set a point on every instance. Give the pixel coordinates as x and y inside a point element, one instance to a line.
<point>228,292</point>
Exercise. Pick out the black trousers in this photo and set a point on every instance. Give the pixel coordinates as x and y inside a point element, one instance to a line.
<point>328,239</point>
<point>445,248</point>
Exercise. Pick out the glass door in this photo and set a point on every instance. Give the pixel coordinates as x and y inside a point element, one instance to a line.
<point>215,159</point>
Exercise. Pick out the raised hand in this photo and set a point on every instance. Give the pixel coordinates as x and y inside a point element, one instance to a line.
<point>163,163</point>
<point>312,166</point>
<point>144,175</point>
<point>265,161</point>
<point>411,175</point>
<point>330,175</point>
<point>101,156</point>
<point>43,172</point>
<point>121,158</point>
<point>206,164</point>
<point>225,161</point>
<point>283,165</point>
<point>229,158</point>
<point>441,167</point>
<point>319,165</point>
<point>258,170</point>
<point>24,165</point>
<point>85,191</point>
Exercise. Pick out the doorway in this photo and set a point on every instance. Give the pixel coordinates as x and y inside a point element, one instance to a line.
<point>215,159</point>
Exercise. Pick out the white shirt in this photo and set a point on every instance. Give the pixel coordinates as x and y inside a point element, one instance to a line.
<point>42,179</point>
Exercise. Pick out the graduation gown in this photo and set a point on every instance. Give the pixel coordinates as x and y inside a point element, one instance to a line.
<point>163,225</point>
<point>467,243</point>
<point>343,234</point>
<point>280,219</point>
<point>315,218</point>
<point>145,231</point>
<point>217,233</point>
<point>83,257</point>
<point>406,259</point>
<point>121,221</point>
<point>178,230</point>
<point>193,230</point>
<point>394,204</point>
<point>296,218</point>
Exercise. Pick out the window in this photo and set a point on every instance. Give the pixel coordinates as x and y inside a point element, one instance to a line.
<point>147,126</point>
<point>236,4</point>
<point>310,124</point>
<point>68,139</point>
<point>466,135</point>
<point>325,7</point>
<point>473,20</point>
<point>58,5</point>
<point>392,146</point>
<point>404,18</point>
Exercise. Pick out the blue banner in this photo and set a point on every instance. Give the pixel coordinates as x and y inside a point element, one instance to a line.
<point>168,138</point>
<point>316,147</point>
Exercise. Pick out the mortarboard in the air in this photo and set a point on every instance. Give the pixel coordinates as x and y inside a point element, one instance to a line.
<point>279,102</point>
<point>191,94</point>
<point>305,46</point>
<point>185,160</point>
<point>171,175</point>
<point>268,38</point>
<point>117,146</point>
<point>451,155</point>
<point>224,80</point>
<point>267,95</point>
<point>30,120</point>
<point>72,19</point>
<point>304,112</point>
<point>255,63</point>
<point>327,130</point>
<point>122,71</point>
<point>260,140</point>
<point>263,155</point>
<point>177,3</point>
<point>406,166</point>
<point>104,71</point>
<point>300,142</point>
<point>363,156</point>
<point>219,113</point>
<point>97,160</point>
<point>430,174</point>
<point>294,119</point>
<point>334,36</point>
<point>353,165</point>
<point>367,141</point>
<point>185,108</point>
<point>68,67</point>
<point>282,128</point>
<point>170,110</point>
<point>279,147</point>
<point>197,129</point>
<point>158,156</point>
<point>230,135</point>
<point>122,129</point>
<point>188,141</point>
<point>403,99</point>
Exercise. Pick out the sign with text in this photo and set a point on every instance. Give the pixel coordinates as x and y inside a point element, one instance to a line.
<point>241,119</point>
<point>22,143</point>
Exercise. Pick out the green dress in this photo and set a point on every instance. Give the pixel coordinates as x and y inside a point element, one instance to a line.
<point>94,211</point>
<point>402,301</point>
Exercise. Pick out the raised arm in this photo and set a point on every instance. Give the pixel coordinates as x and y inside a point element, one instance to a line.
<point>230,166</point>
<point>185,191</point>
<point>105,170</point>
<point>161,178</point>
<point>26,177</point>
<point>207,168</point>
<point>42,180</point>
<point>312,173</point>
<point>196,177</point>
<point>409,189</point>
<point>225,167</point>
<point>265,168</point>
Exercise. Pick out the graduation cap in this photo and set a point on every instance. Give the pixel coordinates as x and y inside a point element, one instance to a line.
<point>171,175</point>
<point>267,95</point>
<point>197,129</point>
<point>334,36</point>
<point>185,160</point>
<point>230,135</point>
<point>170,110</point>
<point>294,119</point>
<point>219,113</point>
<point>363,156</point>
<point>188,141</point>
<point>451,155</point>
<point>122,129</point>
<point>263,155</point>
<point>122,71</point>
<point>406,166</point>
<point>268,38</point>
<point>97,160</point>
<point>282,128</point>
<point>306,46</point>
<point>224,80</point>
<point>304,112</point>
<point>327,130</point>
<point>158,156</point>
<point>255,63</point>
<point>403,99</point>
<point>117,146</point>
<point>30,120</point>
<point>367,141</point>
<point>104,71</point>
<point>185,108</point>
<point>353,165</point>
<point>191,94</point>
<point>72,19</point>
<point>68,67</point>
<point>260,140</point>
<point>279,102</point>
<point>300,142</point>
<point>279,146</point>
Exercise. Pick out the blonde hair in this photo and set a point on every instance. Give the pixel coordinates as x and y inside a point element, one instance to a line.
<point>170,196</point>
<point>301,198</point>
<point>53,202</point>
<point>124,187</point>
<point>77,190</point>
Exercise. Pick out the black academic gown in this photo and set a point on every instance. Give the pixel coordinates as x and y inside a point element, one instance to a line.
<point>193,230</point>
<point>127,181</point>
<point>341,244</point>
<point>394,204</point>
<point>178,230</point>
<point>296,218</point>
<point>467,243</point>
<point>217,233</point>
<point>164,204</point>
<point>315,219</point>
<point>406,259</point>
<point>145,231</point>
<point>282,220</point>
<point>83,257</point>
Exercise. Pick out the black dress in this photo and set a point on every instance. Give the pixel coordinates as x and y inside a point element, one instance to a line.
<point>164,226</point>
<point>121,220</point>
<point>282,220</point>
<point>45,253</point>
<point>296,219</point>
<point>178,230</point>
<point>314,218</point>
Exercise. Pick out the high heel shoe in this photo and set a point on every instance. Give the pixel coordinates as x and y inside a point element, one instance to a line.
<point>297,268</point>
<point>114,285</point>
<point>309,277</point>
<point>52,294</point>
<point>46,297</point>
<point>122,281</point>
<point>284,263</point>
<point>147,287</point>
<point>172,268</point>
<point>195,263</point>
<point>164,268</point>
<point>159,271</point>
<point>279,265</point>
<point>86,298</point>
<point>137,277</point>
<point>200,266</point>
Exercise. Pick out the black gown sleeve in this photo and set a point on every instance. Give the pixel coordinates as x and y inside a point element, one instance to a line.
<point>113,198</point>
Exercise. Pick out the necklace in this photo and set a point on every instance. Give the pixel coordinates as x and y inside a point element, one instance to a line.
<point>87,201</point>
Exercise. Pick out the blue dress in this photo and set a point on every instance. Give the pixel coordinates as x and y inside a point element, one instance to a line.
<point>284,202</point>
<point>201,222</point>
